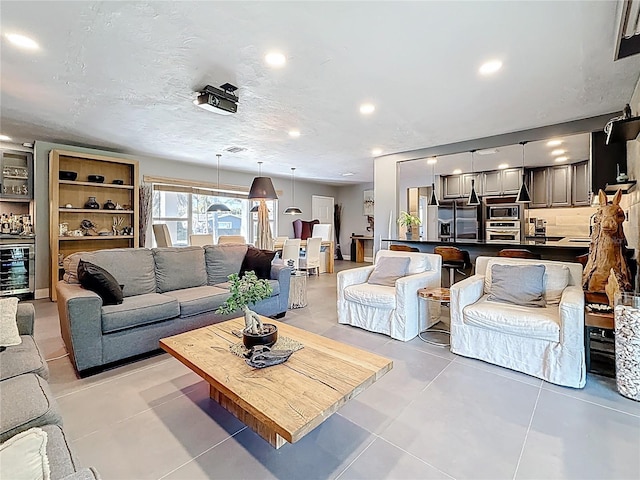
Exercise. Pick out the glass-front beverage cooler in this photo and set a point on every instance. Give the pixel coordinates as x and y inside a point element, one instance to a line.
<point>17,269</point>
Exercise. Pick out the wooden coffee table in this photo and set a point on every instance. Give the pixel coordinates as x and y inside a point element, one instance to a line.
<point>284,402</point>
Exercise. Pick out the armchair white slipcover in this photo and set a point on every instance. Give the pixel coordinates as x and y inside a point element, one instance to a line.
<point>393,311</point>
<point>546,342</point>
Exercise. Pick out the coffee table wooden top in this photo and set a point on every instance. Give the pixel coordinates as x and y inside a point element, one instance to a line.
<point>292,398</point>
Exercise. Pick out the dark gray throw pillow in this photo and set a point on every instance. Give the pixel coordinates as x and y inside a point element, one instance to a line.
<point>97,279</point>
<point>389,269</point>
<point>518,284</point>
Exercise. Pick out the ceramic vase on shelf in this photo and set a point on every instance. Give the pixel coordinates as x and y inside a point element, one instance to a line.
<point>109,205</point>
<point>92,204</point>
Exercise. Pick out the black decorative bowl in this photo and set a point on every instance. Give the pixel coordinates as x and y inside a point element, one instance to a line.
<point>118,182</point>
<point>96,178</point>
<point>66,175</point>
<point>269,338</point>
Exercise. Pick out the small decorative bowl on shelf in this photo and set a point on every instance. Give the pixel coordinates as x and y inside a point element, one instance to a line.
<point>96,178</point>
<point>118,182</point>
<point>66,175</point>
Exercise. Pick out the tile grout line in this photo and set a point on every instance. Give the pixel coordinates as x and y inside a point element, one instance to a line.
<point>499,374</point>
<point>357,457</point>
<point>591,402</point>
<point>526,435</point>
<point>200,454</point>
<point>416,457</point>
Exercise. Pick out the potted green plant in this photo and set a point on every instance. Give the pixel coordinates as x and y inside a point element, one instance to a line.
<point>246,291</point>
<point>408,221</point>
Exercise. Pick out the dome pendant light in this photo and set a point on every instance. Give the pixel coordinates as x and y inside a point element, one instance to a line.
<point>523,193</point>
<point>473,200</point>
<point>218,207</point>
<point>293,210</point>
<point>433,200</point>
<point>262,187</point>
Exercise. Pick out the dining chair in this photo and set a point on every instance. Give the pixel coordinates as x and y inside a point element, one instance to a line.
<point>162,236</point>
<point>200,240</point>
<point>311,261</point>
<point>291,251</point>
<point>237,239</point>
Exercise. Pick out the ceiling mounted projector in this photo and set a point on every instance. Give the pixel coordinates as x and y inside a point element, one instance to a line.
<point>222,101</point>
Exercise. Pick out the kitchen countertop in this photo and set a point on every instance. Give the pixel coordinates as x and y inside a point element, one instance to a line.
<point>565,243</point>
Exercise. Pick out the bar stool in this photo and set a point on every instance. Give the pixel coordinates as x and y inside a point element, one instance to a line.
<point>454,259</point>
<point>519,253</point>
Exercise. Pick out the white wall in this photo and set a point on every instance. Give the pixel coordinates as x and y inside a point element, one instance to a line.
<point>163,168</point>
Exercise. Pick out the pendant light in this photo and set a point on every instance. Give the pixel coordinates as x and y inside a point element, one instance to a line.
<point>473,200</point>
<point>523,193</point>
<point>262,187</point>
<point>218,207</point>
<point>293,210</point>
<point>433,200</point>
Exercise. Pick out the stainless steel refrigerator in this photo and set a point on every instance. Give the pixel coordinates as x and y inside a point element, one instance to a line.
<point>459,221</point>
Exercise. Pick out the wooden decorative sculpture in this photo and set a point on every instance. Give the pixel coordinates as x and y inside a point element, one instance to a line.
<point>607,248</point>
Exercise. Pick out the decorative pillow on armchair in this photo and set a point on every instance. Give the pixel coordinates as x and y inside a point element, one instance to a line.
<point>387,270</point>
<point>519,285</point>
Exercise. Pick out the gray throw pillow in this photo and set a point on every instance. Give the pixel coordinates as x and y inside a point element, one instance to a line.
<point>388,270</point>
<point>519,285</point>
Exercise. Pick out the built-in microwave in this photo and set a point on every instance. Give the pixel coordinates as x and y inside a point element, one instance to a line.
<point>503,212</point>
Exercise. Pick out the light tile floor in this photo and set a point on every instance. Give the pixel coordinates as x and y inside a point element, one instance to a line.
<point>434,416</point>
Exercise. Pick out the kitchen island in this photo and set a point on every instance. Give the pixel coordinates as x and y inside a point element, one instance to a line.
<point>565,250</point>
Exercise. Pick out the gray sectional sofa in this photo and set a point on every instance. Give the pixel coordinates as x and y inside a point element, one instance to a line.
<point>166,291</point>
<point>26,400</point>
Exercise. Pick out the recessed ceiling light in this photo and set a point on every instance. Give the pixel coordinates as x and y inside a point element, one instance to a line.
<point>502,166</point>
<point>27,144</point>
<point>21,41</point>
<point>487,151</point>
<point>294,133</point>
<point>432,161</point>
<point>554,143</point>
<point>561,159</point>
<point>348,174</point>
<point>492,66</point>
<point>367,108</point>
<point>457,171</point>
<point>376,151</point>
<point>4,138</point>
<point>558,151</point>
<point>275,59</point>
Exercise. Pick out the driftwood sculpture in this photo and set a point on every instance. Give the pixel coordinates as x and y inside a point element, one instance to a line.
<point>607,248</point>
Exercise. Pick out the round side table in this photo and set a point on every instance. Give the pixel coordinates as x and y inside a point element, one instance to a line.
<point>298,289</point>
<point>435,297</point>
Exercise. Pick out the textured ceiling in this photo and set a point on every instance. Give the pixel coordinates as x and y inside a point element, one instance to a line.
<point>121,75</point>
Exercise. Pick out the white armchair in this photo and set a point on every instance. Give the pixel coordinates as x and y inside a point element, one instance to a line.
<point>545,342</point>
<point>393,311</point>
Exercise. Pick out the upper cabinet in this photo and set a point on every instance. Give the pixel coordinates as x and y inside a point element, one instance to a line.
<point>16,176</point>
<point>451,186</point>
<point>538,187</point>
<point>607,162</point>
<point>465,183</point>
<point>502,182</point>
<point>559,186</point>
<point>580,187</point>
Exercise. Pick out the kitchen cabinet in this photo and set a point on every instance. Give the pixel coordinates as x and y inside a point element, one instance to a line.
<point>511,181</point>
<point>553,186</point>
<point>69,209</point>
<point>606,161</point>
<point>560,186</point>
<point>580,187</point>
<point>538,187</point>
<point>492,183</point>
<point>16,176</point>
<point>465,183</point>
<point>451,186</point>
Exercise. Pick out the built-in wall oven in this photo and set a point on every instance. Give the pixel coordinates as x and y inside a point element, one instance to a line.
<point>17,268</point>
<point>502,231</point>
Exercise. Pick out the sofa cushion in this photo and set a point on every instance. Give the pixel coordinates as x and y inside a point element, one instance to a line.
<point>61,460</point>
<point>97,279</point>
<point>258,261</point>
<point>378,296</point>
<point>131,267</point>
<point>541,323</point>
<point>179,267</point>
<point>23,358</point>
<point>556,277</point>
<point>223,260</point>
<point>36,407</point>
<point>139,310</point>
<point>196,300</point>
<point>9,334</point>
<point>24,456</point>
<point>517,285</point>
<point>387,270</point>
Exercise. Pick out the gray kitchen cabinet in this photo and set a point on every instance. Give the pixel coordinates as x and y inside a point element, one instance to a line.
<point>560,186</point>
<point>492,184</point>
<point>580,184</point>
<point>538,188</point>
<point>465,183</point>
<point>511,181</point>
<point>451,186</point>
